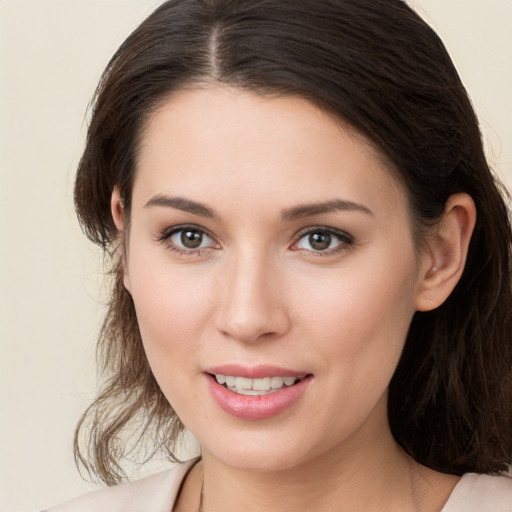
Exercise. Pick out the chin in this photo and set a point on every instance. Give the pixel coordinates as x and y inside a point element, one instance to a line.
<point>260,461</point>
<point>266,451</point>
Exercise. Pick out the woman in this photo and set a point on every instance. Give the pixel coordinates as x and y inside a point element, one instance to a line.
<point>311,261</point>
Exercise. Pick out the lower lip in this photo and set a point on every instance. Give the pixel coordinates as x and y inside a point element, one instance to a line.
<point>250,407</point>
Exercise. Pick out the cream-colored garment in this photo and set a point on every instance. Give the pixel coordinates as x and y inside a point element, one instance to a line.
<point>155,493</point>
<point>158,493</point>
<point>481,493</point>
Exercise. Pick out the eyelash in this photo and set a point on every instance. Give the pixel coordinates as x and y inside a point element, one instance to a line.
<point>345,240</point>
<point>167,234</point>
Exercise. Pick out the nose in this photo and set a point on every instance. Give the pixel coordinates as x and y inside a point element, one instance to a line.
<point>253,300</point>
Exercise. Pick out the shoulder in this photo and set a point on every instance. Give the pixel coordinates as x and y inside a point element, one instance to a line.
<point>481,493</point>
<point>157,493</point>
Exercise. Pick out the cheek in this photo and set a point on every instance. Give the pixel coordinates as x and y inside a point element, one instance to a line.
<point>171,302</point>
<point>355,327</point>
<point>363,313</point>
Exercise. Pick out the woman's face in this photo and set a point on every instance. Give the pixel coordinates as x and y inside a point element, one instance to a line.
<point>269,249</point>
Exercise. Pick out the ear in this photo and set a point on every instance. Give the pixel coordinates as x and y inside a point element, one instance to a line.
<point>444,259</point>
<point>117,210</point>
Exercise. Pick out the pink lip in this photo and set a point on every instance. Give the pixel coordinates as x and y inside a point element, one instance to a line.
<point>254,372</point>
<point>251,407</point>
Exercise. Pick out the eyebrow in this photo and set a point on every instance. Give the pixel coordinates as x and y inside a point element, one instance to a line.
<point>308,210</point>
<point>180,203</point>
<point>290,214</point>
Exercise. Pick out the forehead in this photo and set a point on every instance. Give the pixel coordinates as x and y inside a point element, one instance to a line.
<point>242,146</point>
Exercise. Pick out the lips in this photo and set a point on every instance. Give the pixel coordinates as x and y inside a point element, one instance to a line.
<point>258,392</point>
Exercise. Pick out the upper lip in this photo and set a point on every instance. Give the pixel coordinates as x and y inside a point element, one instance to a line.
<point>254,372</point>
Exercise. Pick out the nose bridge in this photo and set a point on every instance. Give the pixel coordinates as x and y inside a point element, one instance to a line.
<point>252,300</point>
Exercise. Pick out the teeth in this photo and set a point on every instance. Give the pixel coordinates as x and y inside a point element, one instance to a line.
<point>249,392</point>
<point>245,386</point>
<point>289,381</point>
<point>276,382</point>
<point>243,383</point>
<point>221,379</point>
<point>261,384</point>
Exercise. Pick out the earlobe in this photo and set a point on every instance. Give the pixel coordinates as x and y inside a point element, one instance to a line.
<point>117,211</point>
<point>445,257</point>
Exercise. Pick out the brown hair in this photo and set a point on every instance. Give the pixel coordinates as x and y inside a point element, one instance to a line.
<point>376,65</point>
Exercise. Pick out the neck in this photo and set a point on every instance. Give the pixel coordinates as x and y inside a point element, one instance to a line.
<point>366,471</point>
<point>360,477</point>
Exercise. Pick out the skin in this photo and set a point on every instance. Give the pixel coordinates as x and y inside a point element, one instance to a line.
<point>257,292</point>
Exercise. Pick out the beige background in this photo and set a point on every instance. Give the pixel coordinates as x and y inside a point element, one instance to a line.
<point>51,55</point>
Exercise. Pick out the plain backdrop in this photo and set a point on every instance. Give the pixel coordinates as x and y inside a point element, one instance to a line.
<point>51,295</point>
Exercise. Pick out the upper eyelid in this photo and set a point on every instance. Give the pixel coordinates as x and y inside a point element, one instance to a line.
<point>334,231</point>
<point>165,237</point>
<point>346,241</point>
<point>169,231</point>
<point>166,233</point>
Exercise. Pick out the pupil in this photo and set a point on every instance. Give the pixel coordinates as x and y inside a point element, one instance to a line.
<point>320,241</point>
<point>191,239</point>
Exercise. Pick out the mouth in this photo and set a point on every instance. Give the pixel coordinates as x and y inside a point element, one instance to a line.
<point>255,387</point>
<point>256,392</point>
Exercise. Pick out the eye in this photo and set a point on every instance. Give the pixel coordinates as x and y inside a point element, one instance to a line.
<point>190,239</point>
<point>323,240</point>
<point>187,239</point>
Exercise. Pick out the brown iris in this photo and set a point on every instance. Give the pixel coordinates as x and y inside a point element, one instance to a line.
<point>191,239</point>
<point>320,241</point>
